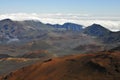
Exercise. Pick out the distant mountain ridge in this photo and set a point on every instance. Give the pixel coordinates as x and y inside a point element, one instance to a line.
<point>11,31</point>
<point>67,27</point>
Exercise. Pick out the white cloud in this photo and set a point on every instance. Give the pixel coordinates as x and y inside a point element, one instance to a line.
<point>112,23</point>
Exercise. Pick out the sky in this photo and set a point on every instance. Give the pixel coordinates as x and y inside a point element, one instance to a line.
<point>85,12</point>
<point>96,7</point>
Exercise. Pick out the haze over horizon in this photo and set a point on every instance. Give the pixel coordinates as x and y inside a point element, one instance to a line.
<point>84,12</point>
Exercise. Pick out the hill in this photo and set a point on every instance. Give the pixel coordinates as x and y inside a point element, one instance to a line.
<point>11,31</point>
<point>67,27</point>
<point>99,66</point>
<point>102,33</point>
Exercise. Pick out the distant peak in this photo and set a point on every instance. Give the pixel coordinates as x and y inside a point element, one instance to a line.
<point>96,24</point>
<point>69,23</point>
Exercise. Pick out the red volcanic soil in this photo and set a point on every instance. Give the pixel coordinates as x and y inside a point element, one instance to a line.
<point>99,66</point>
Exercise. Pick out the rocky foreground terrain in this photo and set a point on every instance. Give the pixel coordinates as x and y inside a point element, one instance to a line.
<point>97,66</point>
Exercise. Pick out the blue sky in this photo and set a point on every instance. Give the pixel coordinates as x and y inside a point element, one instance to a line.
<point>95,7</point>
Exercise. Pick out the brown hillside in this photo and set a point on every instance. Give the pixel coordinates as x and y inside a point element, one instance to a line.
<point>99,66</point>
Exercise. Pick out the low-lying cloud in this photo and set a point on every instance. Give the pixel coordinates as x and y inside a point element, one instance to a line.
<point>112,23</point>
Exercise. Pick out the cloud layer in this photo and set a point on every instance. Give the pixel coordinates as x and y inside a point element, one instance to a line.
<point>112,23</point>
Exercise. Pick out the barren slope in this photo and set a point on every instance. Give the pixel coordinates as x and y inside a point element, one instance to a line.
<point>99,66</point>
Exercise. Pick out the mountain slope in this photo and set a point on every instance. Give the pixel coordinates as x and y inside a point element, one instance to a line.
<point>96,30</point>
<point>102,33</point>
<point>100,66</point>
<point>22,30</point>
<point>67,27</point>
<point>15,31</point>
